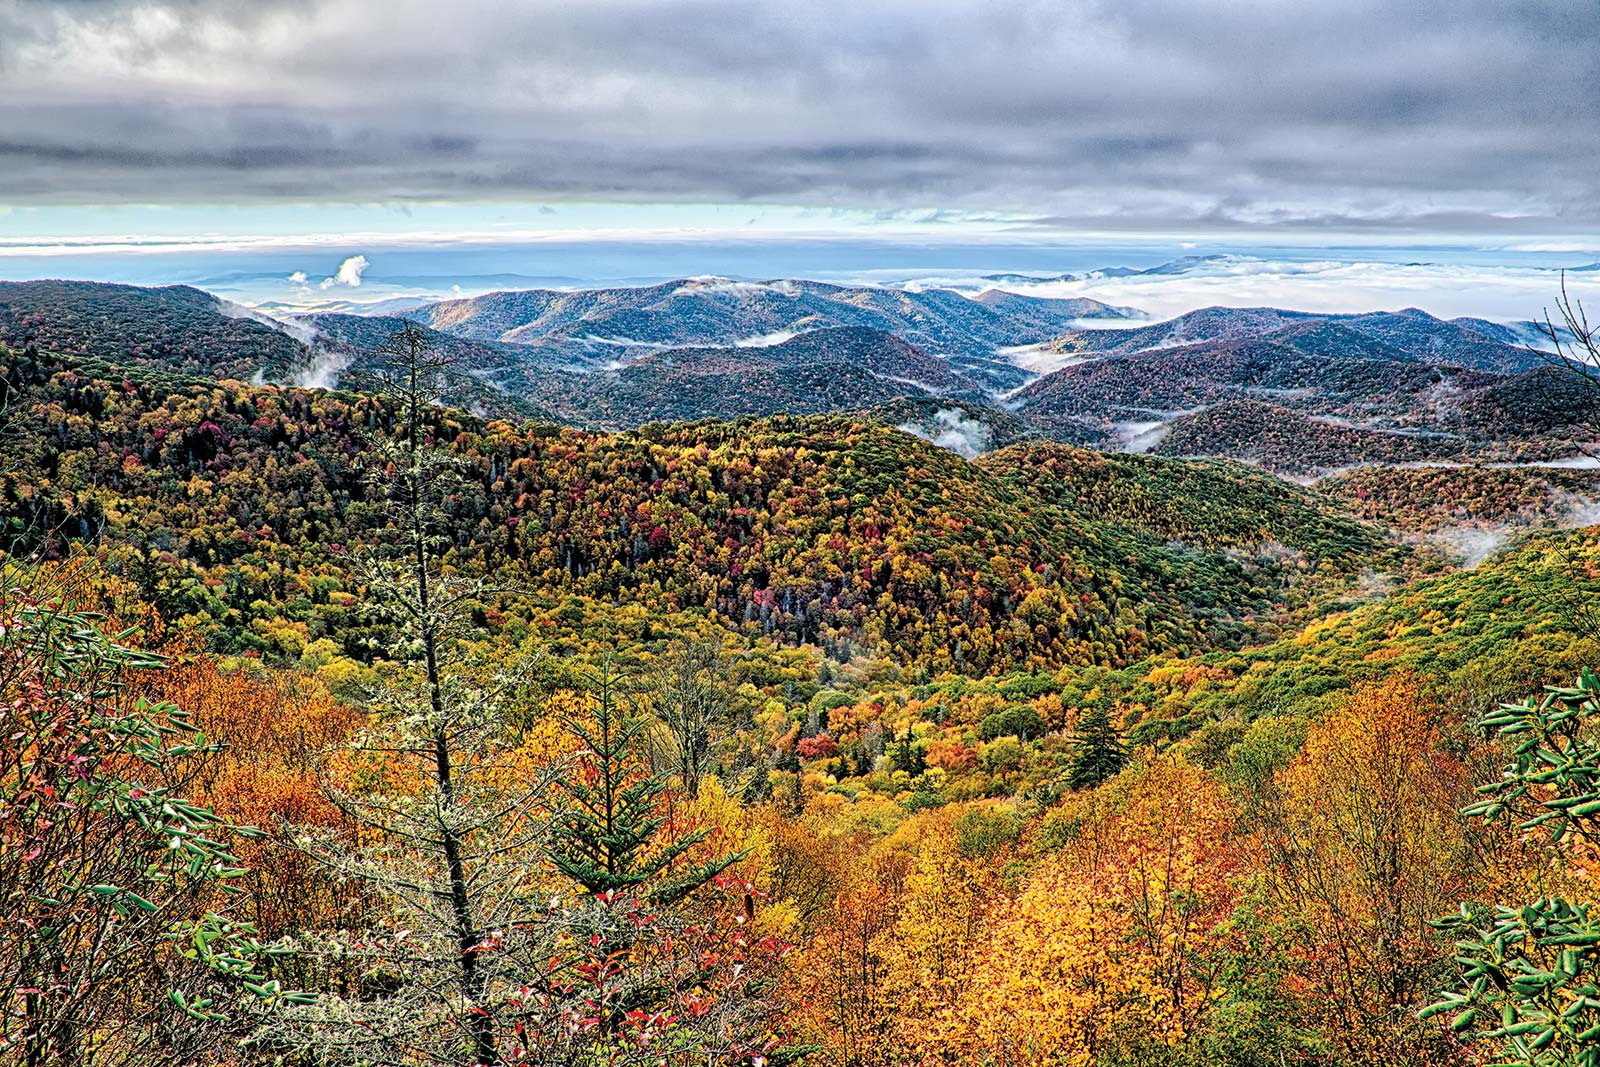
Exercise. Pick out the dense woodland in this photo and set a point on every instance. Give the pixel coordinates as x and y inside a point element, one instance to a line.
<point>348,729</point>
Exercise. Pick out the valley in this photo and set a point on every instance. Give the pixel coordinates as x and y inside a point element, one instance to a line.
<point>733,533</point>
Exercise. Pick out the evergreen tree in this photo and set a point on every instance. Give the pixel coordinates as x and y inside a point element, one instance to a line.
<point>609,836</point>
<point>1097,751</point>
<point>453,864</point>
<point>907,756</point>
<point>640,944</point>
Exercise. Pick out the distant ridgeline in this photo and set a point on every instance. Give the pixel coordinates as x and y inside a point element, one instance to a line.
<point>1295,393</point>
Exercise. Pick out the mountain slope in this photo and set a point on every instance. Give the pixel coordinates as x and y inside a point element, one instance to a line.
<point>1313,395</point>
<point>1293,443</point>
<point>821,371</point>
<point>1428,500</point>
<point>484,378</point>
<point>1199,502</point>
<point>827,530</point>
<point>175,327</point>
<point>593,326</point>
<point>187,331</point>
<point>1190,376</point>
<point>1410,334</point>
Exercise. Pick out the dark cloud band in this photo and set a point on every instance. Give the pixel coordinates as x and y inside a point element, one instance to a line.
<point>1144,112</point>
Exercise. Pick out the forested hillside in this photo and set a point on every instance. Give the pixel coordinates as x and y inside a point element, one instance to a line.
<point>174,328</point>
<point>809,531</point>
<point>353,729</point>
<point>1296,393</point>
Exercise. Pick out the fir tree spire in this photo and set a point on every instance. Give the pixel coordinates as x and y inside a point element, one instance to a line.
<point>609,837</point>
<point>1097,751</point>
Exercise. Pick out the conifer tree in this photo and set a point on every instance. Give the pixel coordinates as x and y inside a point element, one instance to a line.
<point>655,946</point>
<point>1097,754</point>
<point>454,851</point>
<point>907,756</point>
<point>608,837</point>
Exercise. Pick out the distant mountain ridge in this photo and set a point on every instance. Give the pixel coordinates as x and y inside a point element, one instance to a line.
<point>596,326</point>
<point>1293,391</point>
<point>1302,393</point>
<point>1411,331</point>
<point>827,370</point>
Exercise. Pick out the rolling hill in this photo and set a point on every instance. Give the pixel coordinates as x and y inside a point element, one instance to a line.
<point>175,327</point>
<point>1298,393</point>
<point>595,327</point>
<point>826,370</point>
<point>822,530</point>
<point>1311,394</point>
<point>1409,334</point>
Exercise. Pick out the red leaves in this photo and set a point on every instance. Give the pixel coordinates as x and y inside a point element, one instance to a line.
<point>822,746</point>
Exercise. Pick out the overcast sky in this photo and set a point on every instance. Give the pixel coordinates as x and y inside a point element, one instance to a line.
<point>1413,117</point>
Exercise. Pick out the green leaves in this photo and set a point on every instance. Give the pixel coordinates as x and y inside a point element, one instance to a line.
<point>1536,968</point>
<point>110,871</point>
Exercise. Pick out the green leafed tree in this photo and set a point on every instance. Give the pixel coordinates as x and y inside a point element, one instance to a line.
<point>1097,752</point>
<point>117,946</point>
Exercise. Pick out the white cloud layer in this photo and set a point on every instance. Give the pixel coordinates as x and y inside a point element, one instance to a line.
<point>1333,286</point>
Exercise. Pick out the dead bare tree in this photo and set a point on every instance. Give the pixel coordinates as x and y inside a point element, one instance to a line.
<point>1575,351</point>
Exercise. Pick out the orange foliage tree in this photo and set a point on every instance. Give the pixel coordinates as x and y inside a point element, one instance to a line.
<point>843,970</point>
<point>273,730</point>
<point>1367,844</point>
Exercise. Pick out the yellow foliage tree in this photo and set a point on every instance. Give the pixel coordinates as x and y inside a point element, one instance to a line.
<point>1367,845</point>
<point>1119,941</point>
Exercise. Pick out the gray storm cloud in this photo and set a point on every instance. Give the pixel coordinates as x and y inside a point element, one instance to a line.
<point>1471,115</point>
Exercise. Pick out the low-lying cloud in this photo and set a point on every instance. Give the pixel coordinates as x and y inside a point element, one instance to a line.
<point>1328,286</point>
<point>712,286</point>
<point>951,428</point>
<point>303,332</point>
<point>325,369</point>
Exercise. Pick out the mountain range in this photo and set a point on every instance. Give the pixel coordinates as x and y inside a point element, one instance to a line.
<point>597,327</point>
<point>824,529</point>
<point>1295,392</point>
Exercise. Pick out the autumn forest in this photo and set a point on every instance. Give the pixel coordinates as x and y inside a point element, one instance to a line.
<point>348,728</point>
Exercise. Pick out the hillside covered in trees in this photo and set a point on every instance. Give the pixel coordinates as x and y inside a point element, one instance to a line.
<point>1298,394</point>
<point>372,726</point>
